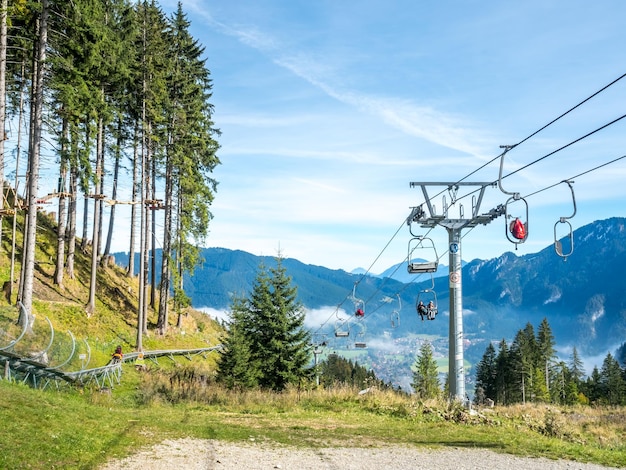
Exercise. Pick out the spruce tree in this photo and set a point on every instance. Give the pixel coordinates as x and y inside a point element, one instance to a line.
<point>547,353</point>
<point>236,368</point>
<point>612,383</point>
<point>522,365</point>
<point>425,376</point>
<point>270,324</point>
<point>504,375</point>
<point>576,367</point>
<point>486,376</point>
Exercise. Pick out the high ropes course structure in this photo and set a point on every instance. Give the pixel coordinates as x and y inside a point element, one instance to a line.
<point>32,353</point>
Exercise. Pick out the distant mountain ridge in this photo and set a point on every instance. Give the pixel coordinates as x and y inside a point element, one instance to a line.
<point>583,298</point>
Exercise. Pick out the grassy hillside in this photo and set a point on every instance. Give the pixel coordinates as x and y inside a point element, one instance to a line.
<point>68,429</point>
<point>83,428</point>
<point>115,319</point>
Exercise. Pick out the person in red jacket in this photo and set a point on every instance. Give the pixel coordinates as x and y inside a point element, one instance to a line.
<point>518,229</point>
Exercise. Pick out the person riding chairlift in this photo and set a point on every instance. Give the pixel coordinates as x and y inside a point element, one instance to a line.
<point>518,229</point>
<point>421,309</point>
<point>359,312</point>
<point>432,310</point>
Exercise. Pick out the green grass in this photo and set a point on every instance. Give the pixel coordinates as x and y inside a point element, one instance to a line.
<point>82,429</point>
<point>73,429</point>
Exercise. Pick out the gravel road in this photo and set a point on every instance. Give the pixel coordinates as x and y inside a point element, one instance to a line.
<point>198,454</point>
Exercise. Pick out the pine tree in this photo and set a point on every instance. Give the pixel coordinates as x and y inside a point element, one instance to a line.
<point>270,323</point>
<point>425,376</point>
<point>612,382</point>
<point>593,387</point>
<point>236,367</point>
<point>576,367</point>
<point>547,353</point>
<point>504,375</point>
<point>336,370</point>
<point>486,376</point>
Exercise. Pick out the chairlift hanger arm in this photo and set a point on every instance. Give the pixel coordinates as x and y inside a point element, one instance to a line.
<point>569,183</point>
<point>506,149</point>
<point>558,246</point>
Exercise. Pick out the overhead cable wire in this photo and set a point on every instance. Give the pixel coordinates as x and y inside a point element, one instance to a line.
<point>505,176</point>
<point>540,129</point>
<point>577,176</point>
<point>566,145</point>
<point>569,144</point>
<point>562,115</point>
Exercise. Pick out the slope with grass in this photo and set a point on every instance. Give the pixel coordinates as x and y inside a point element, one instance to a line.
<point>85,428</point>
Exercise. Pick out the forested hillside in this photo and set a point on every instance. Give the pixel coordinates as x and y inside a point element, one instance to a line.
<point>109,108</point>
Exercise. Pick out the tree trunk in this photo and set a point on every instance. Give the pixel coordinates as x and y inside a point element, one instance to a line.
<point>17,172</point>
<point>62,215</point>
<point>166,252</point>
<point>116,171</point>
<point>91,303</point>
<point>133,210</point>
<point>30,231</point>
<point>3,71</point>
<point>152,213</point>
<point>71,223</point>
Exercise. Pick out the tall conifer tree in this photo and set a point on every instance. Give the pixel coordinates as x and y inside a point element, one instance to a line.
<point>270,323</point>
<point>425,376</point>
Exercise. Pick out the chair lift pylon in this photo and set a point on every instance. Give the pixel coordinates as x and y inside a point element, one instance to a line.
<point>558,245</point>
<point>516,230</point>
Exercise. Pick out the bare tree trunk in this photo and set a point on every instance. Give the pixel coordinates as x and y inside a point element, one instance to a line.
<point>71,223</point>
<point>85,239</point>
<point>91,303</point>
<point>133,210</point>
<point>179,261</point>
<point>116,171</point>
<point>166,253</point>
<point>33,160</point>
<point>3,71</point>
<point>146,231</point>
<point>17,172</point>
<point>154,206</point>
<point>62,216</point>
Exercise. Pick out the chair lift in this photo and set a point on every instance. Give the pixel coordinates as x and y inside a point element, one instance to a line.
<point>429,265</point>
<point>428,297</point>
<point>360,343</point>
<point>342,329</point>
<point>395,315</point>
<point>517,230</point>
<point>359,305</point>
<point>558,245</point>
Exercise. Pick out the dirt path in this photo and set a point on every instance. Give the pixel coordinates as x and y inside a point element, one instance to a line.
<point>198,454</point>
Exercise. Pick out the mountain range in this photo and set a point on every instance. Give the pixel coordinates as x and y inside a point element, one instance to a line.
<point>582,297</point>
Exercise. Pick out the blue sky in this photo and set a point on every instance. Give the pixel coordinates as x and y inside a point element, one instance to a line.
<point>328,109</point>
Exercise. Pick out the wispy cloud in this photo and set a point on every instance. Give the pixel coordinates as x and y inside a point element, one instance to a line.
<point>420,121</point>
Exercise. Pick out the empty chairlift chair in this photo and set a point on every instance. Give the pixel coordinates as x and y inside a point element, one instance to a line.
<point>422,246</point>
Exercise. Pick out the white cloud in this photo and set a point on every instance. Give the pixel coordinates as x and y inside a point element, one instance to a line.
<point>219,315</point>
